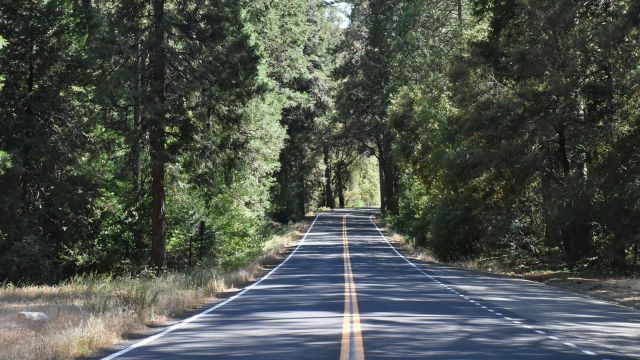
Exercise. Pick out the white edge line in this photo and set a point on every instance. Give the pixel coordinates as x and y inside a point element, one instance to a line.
<point>393,247</point>
<point>420,270</point>
<point>180,324</point>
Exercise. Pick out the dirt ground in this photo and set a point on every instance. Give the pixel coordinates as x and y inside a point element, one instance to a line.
<point>624,291</point>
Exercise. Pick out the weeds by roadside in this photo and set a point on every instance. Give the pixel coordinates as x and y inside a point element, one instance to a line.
<point>619,289</point>
<point>92,312</point>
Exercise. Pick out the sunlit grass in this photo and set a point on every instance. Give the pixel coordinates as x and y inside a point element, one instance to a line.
<point>92,312</point>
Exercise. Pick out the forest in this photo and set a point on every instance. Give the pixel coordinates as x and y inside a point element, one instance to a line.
<point>160,135</point>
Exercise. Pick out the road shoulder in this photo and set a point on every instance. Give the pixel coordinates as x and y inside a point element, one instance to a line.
<point>619,291</point>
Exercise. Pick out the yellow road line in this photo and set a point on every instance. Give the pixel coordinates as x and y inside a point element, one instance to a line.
<point>352,345</point>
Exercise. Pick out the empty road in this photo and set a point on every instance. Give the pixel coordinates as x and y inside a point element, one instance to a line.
<point>346,293</point>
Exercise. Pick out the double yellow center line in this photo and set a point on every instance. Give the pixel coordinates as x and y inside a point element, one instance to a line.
<point>352,348</point>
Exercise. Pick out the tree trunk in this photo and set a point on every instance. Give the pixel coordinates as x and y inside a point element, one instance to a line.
<point>381,172</point>
<point>201,233</point>
<point>340,184</point>
<point>460,18</point>
<point>390,186</point>
<point>636,252</point>
<point>157,141</point>
<point>562,150</point>
<point>31,76</point>
<point>387,178</point>
<point>135,146</point>
<point>330,200</point>
<point>552,233</point>
<point>302,196</point>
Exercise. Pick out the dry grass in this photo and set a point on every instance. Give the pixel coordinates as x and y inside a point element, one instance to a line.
<point>624,291</point>
<point>89,313</point>
<point>621,290</point>
<point>401,243</point>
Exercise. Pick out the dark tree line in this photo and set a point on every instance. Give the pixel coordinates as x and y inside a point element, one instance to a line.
<point>501,128</point>
<point>163,133</point>
<point>155,133</point>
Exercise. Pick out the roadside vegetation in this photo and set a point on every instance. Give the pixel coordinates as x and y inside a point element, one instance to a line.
<point>611,286</point>
<point>504,130</point>
<point>157,154</point>
<point>154,136</point>
<point>146,143</point>
<point>90,312</point>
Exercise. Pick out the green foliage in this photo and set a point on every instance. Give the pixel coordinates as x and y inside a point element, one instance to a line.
<point>455,230</point>
<point>5,162</point>
<point>363,185</point>
<point>27,260</point>
<point>3,43</point>
<point>84,130</point>
<point>510,126</point>
<point>303,74</point>
<point>45,201</point>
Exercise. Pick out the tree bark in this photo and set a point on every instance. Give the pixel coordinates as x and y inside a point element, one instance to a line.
<point>562,149</point>
<point>302,196</point>
<point>390,185</point>
<point>636,252</point>
<point>381,182</point>
<point>157,141</point>
<point>330,200</point>
<point>575,233</point>
<point>387,176</point>
<point>135,146</point>
<point>552,234</point>
<point>340,184</point>
<point>201,233</point>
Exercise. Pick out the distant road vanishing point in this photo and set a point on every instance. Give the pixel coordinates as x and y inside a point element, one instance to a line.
<point>346,293</point>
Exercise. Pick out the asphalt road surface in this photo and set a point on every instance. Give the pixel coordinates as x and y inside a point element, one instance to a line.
<point>346,293</point>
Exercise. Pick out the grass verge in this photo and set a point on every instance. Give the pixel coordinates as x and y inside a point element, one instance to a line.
<point>92,312</point>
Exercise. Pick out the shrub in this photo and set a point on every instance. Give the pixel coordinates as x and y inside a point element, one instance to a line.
<point>455,228</point>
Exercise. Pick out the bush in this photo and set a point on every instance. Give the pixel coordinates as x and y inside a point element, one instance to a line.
<point>455,228</point>
<point>28,260</point>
